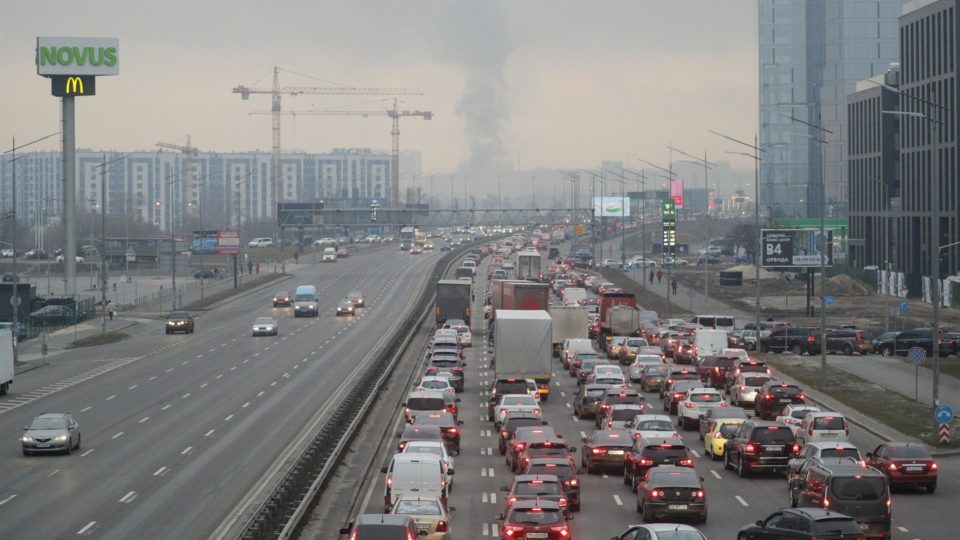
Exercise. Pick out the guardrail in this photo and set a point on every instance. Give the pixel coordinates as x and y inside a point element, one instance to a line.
<point>284,511</point>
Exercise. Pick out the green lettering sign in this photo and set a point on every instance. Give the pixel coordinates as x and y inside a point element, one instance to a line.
<point>77,56</point>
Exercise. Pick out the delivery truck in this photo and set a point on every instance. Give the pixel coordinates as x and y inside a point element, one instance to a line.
<point>528,266</point>
<point>572,296</point>
<point>624,320</point>
<point>607,301</point>
<point>521,295</point>
<point>453,301</point>
<point>523,347</point>
<point>569,322</point>
<point>6,360</point>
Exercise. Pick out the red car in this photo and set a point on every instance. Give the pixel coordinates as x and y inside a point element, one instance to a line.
<point>905,464</point>
<point>342,252</point>
<point>537,518</point>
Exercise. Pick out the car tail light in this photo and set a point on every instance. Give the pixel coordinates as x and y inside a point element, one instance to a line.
<point>441,526</point>
<point>656,493</point>
<point>503,411</point>
<point>636,436</point>
<point>892,466</point>
<point>933,466</point>
<point>511,500</point>
<point>802,397</point>
<point>699,494</point>
<point>402,446</point>
<point>453,431</point>
<point>796,448</point>
<point>598,451</point>
<point>562,530</point>
<point>389,481</point>
<point>811,339</point>
<point>431,370</point>
<point>610,423</point>
<point>686,462</point>
<point>535,411</point>
<point>750,449</point>
<point>518,447</point>
<point>563,502</point>
<point>768,396</point>
<point>572,482</point>
<point>689,405</point>
<point>645,461</point>
<point>511,530</point>
<point>677,396</point>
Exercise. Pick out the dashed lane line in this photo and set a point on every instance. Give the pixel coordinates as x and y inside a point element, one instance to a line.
<point>740,500</point>
<point>87,528</point>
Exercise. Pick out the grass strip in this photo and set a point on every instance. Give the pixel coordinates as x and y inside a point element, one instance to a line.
<point>246,285</point>
<point>97,339</point>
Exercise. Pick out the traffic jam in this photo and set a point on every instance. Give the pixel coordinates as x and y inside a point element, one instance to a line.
<point>572,412</point>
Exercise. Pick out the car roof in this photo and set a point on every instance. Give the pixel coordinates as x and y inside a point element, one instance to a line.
<point>532,477</point>
<point>425,394</point>
<point>821,445</point>
<point>383,519</point>
<point>816,513</point>
<point>51,415</point>
<point>535,503</point>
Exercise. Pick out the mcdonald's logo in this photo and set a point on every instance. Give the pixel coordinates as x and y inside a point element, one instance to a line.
<point>73,85</point>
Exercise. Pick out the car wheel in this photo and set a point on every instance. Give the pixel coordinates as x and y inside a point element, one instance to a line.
<point>791,498</point>
<point>797,349</point>
<point>749,346</point>
<point>932,488</point>
<point>886,351</point>
<point>77,447</point>
<point>741,472</point>
<point>647,515</point>
<point>847,349</point>
<point>626,477</point>
<point>726,461</point>
<point>69,449</point>
<point>707,452</point>
<point>26,452</point>
<point>702,518</point>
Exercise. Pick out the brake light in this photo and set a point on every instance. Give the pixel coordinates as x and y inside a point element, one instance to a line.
<point>656,493</point>
<point>563,502</point>
<point>802,397</point>
<point>503,411</point>
<point>933,466</point>
<point>892,466</point>
<point>645,461</point>
<point>796,448</point>
<point>689,405</point>
<point>572,482</point>
<point>750,449</point>
<point>441,526</point>
<point>598,451</point>
<point>389,480</point>
<point>511,530</point>
<point>768,396</point>
<point>811,339</point>
<point>452,431</point>
<point>686,462</point>
<point>561,529</point>
<point>511,500</point>
<point>518,447</point>
<point>699,494</point>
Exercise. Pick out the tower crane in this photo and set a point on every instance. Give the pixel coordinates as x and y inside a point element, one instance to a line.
<point>394,114</point>
<point>187,150</point>
<point>276,91</point>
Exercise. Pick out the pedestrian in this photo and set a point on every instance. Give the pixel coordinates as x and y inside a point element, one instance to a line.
<point>110,312</point>
<point>659,276</point>
<point>258,269</point>
<point>673,284</point>
<point>250,267</point>
<point>651,276</point>
<point>296,257</point>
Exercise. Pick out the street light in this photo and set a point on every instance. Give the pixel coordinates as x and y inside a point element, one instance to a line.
<point>593,213</point>
<point>662,246</point>
<point>706,213</point>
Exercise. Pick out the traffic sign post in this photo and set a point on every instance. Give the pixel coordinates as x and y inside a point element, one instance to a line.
<point>916,356</point>
<point>830,300</point>
<point>944,415</point>
<point>943,433</point>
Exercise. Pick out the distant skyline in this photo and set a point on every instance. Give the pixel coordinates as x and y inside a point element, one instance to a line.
<point>552,84</point>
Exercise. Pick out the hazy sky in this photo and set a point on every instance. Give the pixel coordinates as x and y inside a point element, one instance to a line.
<point>521,83</point>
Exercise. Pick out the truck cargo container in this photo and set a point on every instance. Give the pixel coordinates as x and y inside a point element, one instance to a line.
<point>528,266</point>
<point>453,301</point>
<point>624,320</point>
<point>569,322</point>
<point>572,296</point>
<point>523,347</point>
<point>521,295</point>
<point>607,301</point>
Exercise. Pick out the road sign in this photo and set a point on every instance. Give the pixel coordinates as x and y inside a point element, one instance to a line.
<point>944,414</point>
<point>794,248</point>
<point>830,300</point>
<point>943,433</point>
<point>916,355</point>
<point>15,299</point>
<point>903,305</point>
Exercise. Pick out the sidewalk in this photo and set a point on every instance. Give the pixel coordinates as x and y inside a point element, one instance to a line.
<point>30,353</point>
<point>896,374</point>
<point>686,298</point>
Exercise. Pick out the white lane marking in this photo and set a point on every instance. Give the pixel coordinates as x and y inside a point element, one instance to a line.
<point>694,452</point>
<point>564,394</point>
<point>902,529</point>
<point>110,397</point>
<point>144,419</point>
<point>484,497</point>
<point>260,393</point>
<point>569,406</point>
<point>582,434</point>
<point>235,367</point>
<point>256,354</point>
<point>132,387</point>
<point>228,418</point>
<point>220,376</point>
<point>209,433</point>
<point>490,473</point>
<point>85,409</point>
<point>574,418</point>
<point>716,474</point>
<point>274,383</point>
<point>212,350</point>
<point>185,396</point>
<point>185,362</point>
<point>494,529</point>
<point>8,499</point>
<point>604,475</point>
<point>160,472</point>
<point>186,450</point>
<point>128,498</point>
<point>483,471</point>
<point>245,360</point>
<point>486,529</point>
<point>245,405</point>
<point>118,435</point>
<point>740,500</point>
<point>165,407</point>
<point>204,385</point>
<point>152,378</point>
<point>87,453</point>
<point>86,528</point>
<point>53,473</point>
<point>493,498</point>
<point>169,370</point>
<point>616,499</point>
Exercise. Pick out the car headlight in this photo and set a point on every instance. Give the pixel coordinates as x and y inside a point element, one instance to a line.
<point>312,306</point>
<point>26,438</point>
<point>60,438</point>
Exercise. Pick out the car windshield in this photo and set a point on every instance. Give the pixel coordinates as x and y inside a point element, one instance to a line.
<point>425,404</point>
<point>49,423</point>
<point>537,487</point>
<point>678,534</point>
<point>799,413</point>
<point>443,362</point>
<point>422,434</point>
<point>586,356</point>
<point>755,381</point>
<point>858,488</point>
<point>562,472</point>
<point>519,400</point>
<point>838,525</point>
<point>656,371</point>
<point>654,425</point>
<point>726,430</point>
<point>706,398</point>
<point>263,320</point>
<point>282,294</point>
<point>382,532</point>
<point>539,516</point>
<point>304,297</point>
<point>415,508</point>
<point>661,453</point>
<point>828,422</point>
<point>908,452</point>
<point>178,315</point>
<point>422,449</point>
<point>435,385</point>
<point>511,387</point>
<point>840,453</point>
<point>787,390</point>
<point>773,434</point>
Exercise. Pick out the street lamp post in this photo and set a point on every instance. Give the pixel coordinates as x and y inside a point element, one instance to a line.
<point>593,213</point>
<point>642,181</point>
<point>706,213</point>
<point>663,252</point>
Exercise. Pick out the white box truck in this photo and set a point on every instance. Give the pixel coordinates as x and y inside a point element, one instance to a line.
<point>528,266</point>
<point>572,296</point>
<point>569,322</point>
<point>624,320</point>
<point>6,361</point>
<point>524,346</point>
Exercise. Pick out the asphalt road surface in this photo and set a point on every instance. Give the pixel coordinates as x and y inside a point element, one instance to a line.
<point>608,506</point>
<point>177,429</point>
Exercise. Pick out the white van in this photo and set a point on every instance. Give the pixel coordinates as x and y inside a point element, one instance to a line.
<point>710,342</point>
<point>573,295</point>
<point>572,346</point>
<point>823,426</point>
<point>306,301</point>
<point>329,255</point>
<point>717,322</point>
<point>260,243</point>
<point>414,475</point>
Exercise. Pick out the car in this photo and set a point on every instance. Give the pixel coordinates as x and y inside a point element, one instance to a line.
<point>792,415</point>
<point>323,242</point>
<point>412,433</point>
<point>514,402</point>
<point>716,413</point>
<point>51,432</point>
<point>512,422</point>
<point>741,367</point>
<point>650,376</point>
<point>905,464</point>
<point>773,396</point>
<point>448,424</point>
<point>617,415</point>
<point>427,401</point>
<point>684,352</point>
<point>803,524</point>
<point>695,403</point>
<point>847,486</point>
<point>745,388</point>
<point>758,445</point>
<point>444,247</point>
<point>613,345</point>
<point>651,426</point>
<point>431,515</point>
<point>345,307</point>
<point>179,321</point>
<point>521,437</point>
<point>885,342</point>
<point>37,254</point>
<point>660,531</point>
<point>501,387</point>
<point>428,246</point>
<point>605,449</point>
<point>282,299</point>
<point>565,470</point>
<point>535,518</point>
<point>265,326</point>
<point>676,392</point>
<point>677,374</point>
<point>629,349</point>
<point>671,491</point>
<point>436,448</point>
<point>356,297</point>
<point>77,258</point>
<point>822,426</point>
<point>586,399</point>
<point>343,253</point>
<point>607,374</point>
<point>260,243</point>
<point>715,439</point>
<point>586,368</point>
<point>574,359</point>
<point>416,250</point>
<point>204,273</point>
<point>922,337</point>
<point>543,448</point>
<point>713,369</point>
<point>818,452</point>
<point>440,384</point>
<point>647,453</point>
<point>464,334</point>
<point>526,487</point>
<point>797,339</point>
<point>379,526</point>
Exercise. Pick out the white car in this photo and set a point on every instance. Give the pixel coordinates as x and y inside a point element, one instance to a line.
<point>641,361</point>
<point>265,326</point>
<point>744,390</point>
<point>619,414</point>
<point>612,263</point>
<point>651,426</point>
<point>78,259</point>
<point>260,243</point>
<point>696,402</point>
<point>792,415</point>
<point>325,242</point>
<point>514,403</point>
<point>436,448</point>
<point>6,253</point>
<point>466,337</point>
<point>739,353</point>
<point>438,383</point>
<point>823,426</point>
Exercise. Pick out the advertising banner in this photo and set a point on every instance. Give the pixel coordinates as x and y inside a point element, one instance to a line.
<point>796,248</point>
<point>676,192</point>
<point>78,56</point>
<point>611,206</point>
<point>216,242</point>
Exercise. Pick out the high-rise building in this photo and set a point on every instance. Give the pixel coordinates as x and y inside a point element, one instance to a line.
<point>812,53</point>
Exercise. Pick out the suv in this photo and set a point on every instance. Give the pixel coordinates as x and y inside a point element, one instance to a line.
<point>548,448</point>
<point>760,445</point>
<point>921,337</point>
<point>849,341</point>
<point>773,396</point>
<point>179,321</point>
<point>586,399</point>
<point>522,436</point>
<point>818,452</point>
<point>542,487</point>
<point>741,366</point>
<point>565,470</point>
<point>799,339</point>
<point>712,370</point>
<point>647,453</point>
<point>501,387</point>
<point>616,396</point>
<point>846,485</point>
<point>676,392</point>
<point>513,421</point>
<point>671,491</point>
<point>803,524</point>
<point>260,243</point>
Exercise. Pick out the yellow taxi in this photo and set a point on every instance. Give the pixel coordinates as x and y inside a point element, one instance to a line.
<point>717,434</point>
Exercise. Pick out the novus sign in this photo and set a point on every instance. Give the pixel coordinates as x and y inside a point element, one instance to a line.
<point>78,56</point>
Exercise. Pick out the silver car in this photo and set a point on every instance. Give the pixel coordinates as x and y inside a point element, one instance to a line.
<point>265,326</point>
<point>744,390</point>
<point>51,432</point>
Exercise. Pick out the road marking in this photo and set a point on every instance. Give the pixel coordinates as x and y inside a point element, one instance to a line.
<point>160,472</point>
<point>211,350</point>
<point>490,473</point>
<point>274,383</point>
<point>110,397</point>
<point>484,497</point>
<point>228,418</point>
<point>716,474</point>
<point>144,419</point>
<point>233,368</point>
<point>483,471</point>
<point>185,396</point>
<point>902,529</point>
<point>616,499</point>
<point>245,360</point>
<point>128,498</point>
<point>152,378</point>
<point>132,387</point>
<point>260,393</point>
<point>486,529</point>
<point>220,376</point>
<point>245,405</point>
<point>740,500</point>
<point>86,528</point>
<point>204,385</point>
<point>694,452</point>
<point>87,453</point>
<point>186,450</point>
<point>8,499</point>
<point>169,370</point>
<point>85,409</point>
<point>53,473</point>
<point>569,406</point>
<point>563,394</point>
<point>165,407</point>
<point>209,433</point>
<point>493,497</point>
<point>119,434</point>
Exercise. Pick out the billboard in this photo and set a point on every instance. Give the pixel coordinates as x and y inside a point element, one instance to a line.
<point>611,206</point>
<point>78,56</point>
<point>216,242</point>
<point>676,192</point>
<point>795,248</point>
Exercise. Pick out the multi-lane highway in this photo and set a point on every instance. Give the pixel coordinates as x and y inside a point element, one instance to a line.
<point>608,505</point>
<point>178,429</point>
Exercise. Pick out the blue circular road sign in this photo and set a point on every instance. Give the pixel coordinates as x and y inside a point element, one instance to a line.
<point>916,355</point>
<point>944,414</point>
<point>903,305</point>
<point>829,300</point>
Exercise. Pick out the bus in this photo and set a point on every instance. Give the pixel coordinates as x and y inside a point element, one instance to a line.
<point>407,238</point>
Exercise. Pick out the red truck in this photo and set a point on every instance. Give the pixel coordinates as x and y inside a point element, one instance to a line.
<point>522,295</point>
<point>608,300</point>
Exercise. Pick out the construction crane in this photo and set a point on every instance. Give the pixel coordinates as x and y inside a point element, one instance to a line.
<point>276,91</point>
<point>395,114</point>
<point>187,150</point>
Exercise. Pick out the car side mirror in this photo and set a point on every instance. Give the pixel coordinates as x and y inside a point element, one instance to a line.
<point>404,404</point>
<point>451,472</point>
<point>572,449</point>
<point>504,488</point>
<point>759,523</point>
<point>383,470</point>
<point>498,517</point>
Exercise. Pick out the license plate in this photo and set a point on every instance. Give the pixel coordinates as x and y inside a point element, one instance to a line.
<point>537,535</point>
<point>787,400</point>
<point>43,445</point>
<point>773,448</point>
<point>677,507</point>
<point>616,452</point>
<point>828,435</point>
<point>913,468</point>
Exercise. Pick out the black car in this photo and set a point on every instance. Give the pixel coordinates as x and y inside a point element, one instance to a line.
<point>562,468</point>
<point>616,396</point>
<point>884,343</point>
<point>514,420</point>
<point>922,337</point>
<point>605,449</point>
<point>773,396</point>
<point>668,491</point>
<point>179,321</point>
<point>848,486</point>
<point>714,413</point>
<point>803,524</point>
<point>528,487</point>
<point>442,361</point>
<point>654,452</point>
<point>204,273</point>
<point>447,423</point>
<point>798,339</point>
<point>758,445</point>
